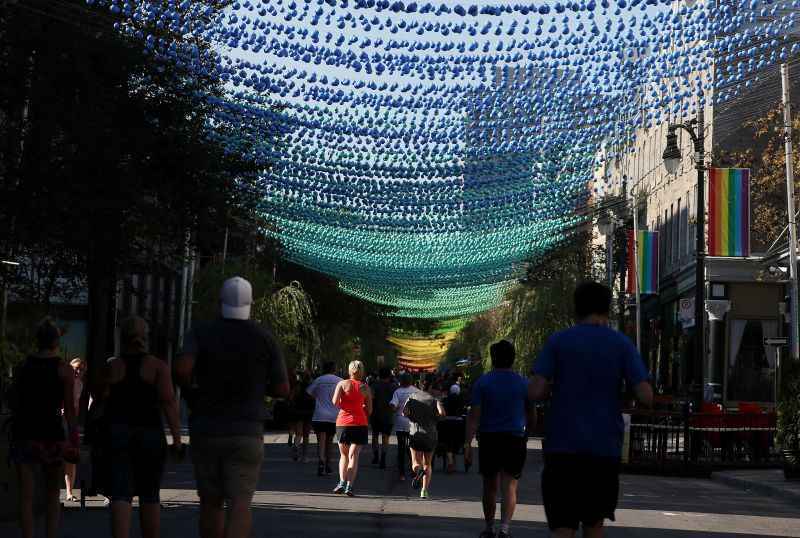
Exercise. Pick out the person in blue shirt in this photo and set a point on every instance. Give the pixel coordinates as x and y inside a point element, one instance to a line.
<point>581,369</point>
<point>499,413</point>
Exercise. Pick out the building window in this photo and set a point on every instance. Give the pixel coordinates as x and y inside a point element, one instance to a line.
<point>667,242</point>
<point>687,248</point>
<point>673,216</point>
<point>660,236</point>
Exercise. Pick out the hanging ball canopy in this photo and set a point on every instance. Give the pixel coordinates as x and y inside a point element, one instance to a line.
<point>423,153</point>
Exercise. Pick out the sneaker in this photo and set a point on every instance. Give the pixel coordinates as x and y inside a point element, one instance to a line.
<point>375,458</point>
<point>382,464</point>
<point>486,534</point>
<point>340,487</point>
<point>320,469</point>
<point>328,470</point>
<point>503,534</point>
<point>416,482</point>
<point>348,490</point>
<point>423,494</point>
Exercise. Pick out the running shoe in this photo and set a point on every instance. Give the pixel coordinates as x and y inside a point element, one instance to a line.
<point>423,494</point>
<point>416,482</point>
<point>340,487</point>
<point>503,534</point>
<point>486,534</point>
<point>348,490</point>
<point>320,469</point>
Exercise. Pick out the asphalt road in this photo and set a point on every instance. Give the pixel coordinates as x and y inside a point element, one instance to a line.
<point>293,501</point>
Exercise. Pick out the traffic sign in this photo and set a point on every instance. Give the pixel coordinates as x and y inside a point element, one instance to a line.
<point>776,341</point>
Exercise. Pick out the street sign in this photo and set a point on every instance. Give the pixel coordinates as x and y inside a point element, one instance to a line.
<point>776,341</point>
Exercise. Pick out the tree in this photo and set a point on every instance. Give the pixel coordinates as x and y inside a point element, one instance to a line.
<point>106,155</point>
<point>534,308</point>
<point>765,156</point>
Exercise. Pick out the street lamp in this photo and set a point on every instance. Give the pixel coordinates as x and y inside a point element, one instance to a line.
<point>672,158</point>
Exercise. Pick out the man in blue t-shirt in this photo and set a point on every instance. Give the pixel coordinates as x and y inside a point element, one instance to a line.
<point>499,414</point>
<point>582,369</point>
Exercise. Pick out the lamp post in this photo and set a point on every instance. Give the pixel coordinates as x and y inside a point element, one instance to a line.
<point>672,159</point>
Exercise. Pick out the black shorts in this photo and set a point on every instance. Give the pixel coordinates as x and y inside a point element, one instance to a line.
<point>381,425</point>
<point>422,442</point>
<point>579,489</point>
<point>352,435</point>
<point>324,427</point>
<point>502,451</point>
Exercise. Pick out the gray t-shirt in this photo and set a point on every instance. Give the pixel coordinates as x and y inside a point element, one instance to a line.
<point>423,414</point>
<point>236,362</point>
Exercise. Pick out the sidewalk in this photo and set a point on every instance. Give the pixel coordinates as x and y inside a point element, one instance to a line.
<point>768,482</point>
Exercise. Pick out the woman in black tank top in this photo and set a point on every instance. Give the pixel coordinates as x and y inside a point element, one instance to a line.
<point>140,389</point>
<point>43,384</point>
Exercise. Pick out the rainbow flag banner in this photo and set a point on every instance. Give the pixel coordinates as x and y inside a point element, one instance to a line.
<point>729,212</point>
<point>647,264</point>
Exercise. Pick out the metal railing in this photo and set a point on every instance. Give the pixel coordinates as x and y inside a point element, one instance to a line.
<point>701,442</point>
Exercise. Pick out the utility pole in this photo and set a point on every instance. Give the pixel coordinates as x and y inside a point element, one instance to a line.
<point>787,135</point>
<point>636,271</point>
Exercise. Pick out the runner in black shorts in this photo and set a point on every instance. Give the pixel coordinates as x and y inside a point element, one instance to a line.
<point>499,415</point>
<point>581,369</point>
<point>382,417</point>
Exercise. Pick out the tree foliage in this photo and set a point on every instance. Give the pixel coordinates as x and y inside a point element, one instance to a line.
<point>535,308</point>
<point>765,156</point>
<point>107,160</point>
<point>289,311</point>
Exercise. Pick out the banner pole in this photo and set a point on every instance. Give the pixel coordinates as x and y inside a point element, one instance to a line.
<point>787,134</point>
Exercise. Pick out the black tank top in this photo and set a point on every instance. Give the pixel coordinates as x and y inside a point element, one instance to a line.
<point>132,400</point>
<point>41,397</point>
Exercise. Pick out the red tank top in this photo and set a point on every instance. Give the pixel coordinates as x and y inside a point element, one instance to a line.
<point>351,406</point>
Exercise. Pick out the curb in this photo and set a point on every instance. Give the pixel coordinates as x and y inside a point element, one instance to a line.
<point>757,487</point>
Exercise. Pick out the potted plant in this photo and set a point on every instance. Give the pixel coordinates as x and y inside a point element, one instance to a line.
<point>789,419</point>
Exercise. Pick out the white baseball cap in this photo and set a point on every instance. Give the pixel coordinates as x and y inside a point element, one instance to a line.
<point>236,297</point>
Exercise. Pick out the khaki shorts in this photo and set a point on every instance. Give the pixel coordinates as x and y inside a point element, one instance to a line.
<point>227,467</point>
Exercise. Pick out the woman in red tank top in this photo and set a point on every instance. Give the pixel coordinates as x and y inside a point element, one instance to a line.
<point>354,400</point>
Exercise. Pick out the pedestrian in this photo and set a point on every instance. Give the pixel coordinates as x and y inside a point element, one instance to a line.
<point>499,415</point>
<point>401,423</point>
<point>452,428</point>
<point>227,367</point>
<point>325,413</point>
<point>581,370</point>
<point>423,411</point>
<point>302,411</point>
<point>382,415</point>
<point>79,371</point>
<point>42,386</point>
<point>354,400</point>
<point>139,391</point>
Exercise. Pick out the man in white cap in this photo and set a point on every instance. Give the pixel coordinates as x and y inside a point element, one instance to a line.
<point>226,368</point>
